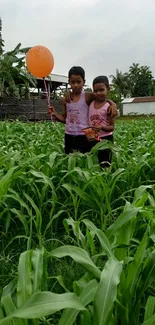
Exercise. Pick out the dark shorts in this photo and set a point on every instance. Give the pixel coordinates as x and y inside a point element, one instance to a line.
<point>104,156</point>
<point>77,143</point>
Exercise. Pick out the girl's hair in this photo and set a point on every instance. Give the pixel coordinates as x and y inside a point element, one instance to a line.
<point>78,71</point>
<point>101,79</point>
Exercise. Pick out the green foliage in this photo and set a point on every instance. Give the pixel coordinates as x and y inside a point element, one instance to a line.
<point>137,82</point>
<point>14,77</point>
<point>31,303</point>
<point>84,238</point>
<point>120,83</point>
<point>142,81</point>
<point>115,96</point>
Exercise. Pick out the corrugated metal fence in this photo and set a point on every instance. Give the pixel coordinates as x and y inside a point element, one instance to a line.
<point>26,109</point>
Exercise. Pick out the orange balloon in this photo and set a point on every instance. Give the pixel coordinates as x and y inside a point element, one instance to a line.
<point>39,61</point>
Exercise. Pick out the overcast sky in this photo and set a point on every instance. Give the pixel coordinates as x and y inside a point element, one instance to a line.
<point>99,35</point>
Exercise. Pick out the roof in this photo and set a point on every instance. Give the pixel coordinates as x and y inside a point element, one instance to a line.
<point>127,100</point>
<point>57,78</point>
<point>148,99</point>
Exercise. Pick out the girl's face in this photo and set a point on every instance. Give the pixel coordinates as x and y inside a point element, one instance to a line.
<point>100,91</point>
<point>76,82</point>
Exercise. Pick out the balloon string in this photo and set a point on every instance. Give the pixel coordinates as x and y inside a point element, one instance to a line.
<point>47,96</point>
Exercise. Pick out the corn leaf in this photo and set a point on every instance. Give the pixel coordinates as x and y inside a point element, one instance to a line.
<point>136,264</point>
<point>150,321</point>
<point>43,304</point>
<point>78,255</point>
<point>107,292</point>
<point>146,279</point>
<point>10,308</point>
<point>121,220</point>
<point>37,269</point>
<point>101,236</point>
<point>86,297</point>
<point>149,309</point>
<point>24,285</point>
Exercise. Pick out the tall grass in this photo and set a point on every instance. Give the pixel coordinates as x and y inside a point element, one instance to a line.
<point>46,196</point>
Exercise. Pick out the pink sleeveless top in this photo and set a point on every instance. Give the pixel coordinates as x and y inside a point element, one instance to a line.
<point>99,116</point>
<point>77,116</point>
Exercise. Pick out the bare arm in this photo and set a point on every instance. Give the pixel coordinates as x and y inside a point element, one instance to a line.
<point>106,128</point>
<point>89,97</point>
<point>110,127</point>
<point>112,109</point>
<point>61,117</point>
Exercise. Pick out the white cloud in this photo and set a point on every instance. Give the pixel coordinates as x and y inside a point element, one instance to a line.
<point>99,35</point>
<point>83,2</point>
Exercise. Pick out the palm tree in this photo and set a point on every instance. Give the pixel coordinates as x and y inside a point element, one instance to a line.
<point>121,83</point>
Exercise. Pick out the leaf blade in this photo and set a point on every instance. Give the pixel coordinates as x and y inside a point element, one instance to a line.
<point>107,292</point>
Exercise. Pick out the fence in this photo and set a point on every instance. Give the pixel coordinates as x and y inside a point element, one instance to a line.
<point>26,109</point>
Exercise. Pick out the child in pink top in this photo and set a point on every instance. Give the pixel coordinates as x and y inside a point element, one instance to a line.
<point>99,118</point>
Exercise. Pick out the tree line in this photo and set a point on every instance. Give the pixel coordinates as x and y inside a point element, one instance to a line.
<point>137,82</point>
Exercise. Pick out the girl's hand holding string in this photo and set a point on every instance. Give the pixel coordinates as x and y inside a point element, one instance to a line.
<point>52,110</point>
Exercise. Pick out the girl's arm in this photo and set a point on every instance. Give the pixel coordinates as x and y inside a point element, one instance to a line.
<point>106,128</point>
<point>110,127</point>
<point>89,97</point>
<point>61,117</point>
<point>112,109</point>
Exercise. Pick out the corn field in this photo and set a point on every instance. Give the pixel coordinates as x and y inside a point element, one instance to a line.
<point>77,244</point>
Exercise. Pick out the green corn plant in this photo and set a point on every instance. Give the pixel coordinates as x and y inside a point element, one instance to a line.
<point>108,214</point>
<point>38,148</point>
<point>118,242</point>
<point>23,299</point>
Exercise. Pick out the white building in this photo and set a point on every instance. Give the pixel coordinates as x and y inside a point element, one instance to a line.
<point>139,106</point>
